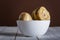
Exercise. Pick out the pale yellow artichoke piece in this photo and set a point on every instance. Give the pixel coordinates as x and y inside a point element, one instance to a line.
<point>25,16</point>
<point>34,14</point>
<point>43,14</point>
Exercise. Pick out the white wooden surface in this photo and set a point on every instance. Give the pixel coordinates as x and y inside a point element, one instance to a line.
<point>53,33</point>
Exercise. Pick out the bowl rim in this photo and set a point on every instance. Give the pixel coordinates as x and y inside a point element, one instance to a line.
<point>33,20</point>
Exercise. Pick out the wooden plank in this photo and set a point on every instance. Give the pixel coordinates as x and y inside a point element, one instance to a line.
<point>53,33</point>
<point>6,37</point>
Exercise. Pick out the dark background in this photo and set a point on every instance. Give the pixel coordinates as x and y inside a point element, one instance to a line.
<point>10,10</point>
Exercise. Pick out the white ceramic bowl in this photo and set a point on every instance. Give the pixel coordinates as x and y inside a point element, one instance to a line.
<point>33,28</point>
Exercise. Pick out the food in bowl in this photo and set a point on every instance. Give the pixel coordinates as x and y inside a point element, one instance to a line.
<point>41,14</point>
<point>25,16</point>
<point>34,16</point>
